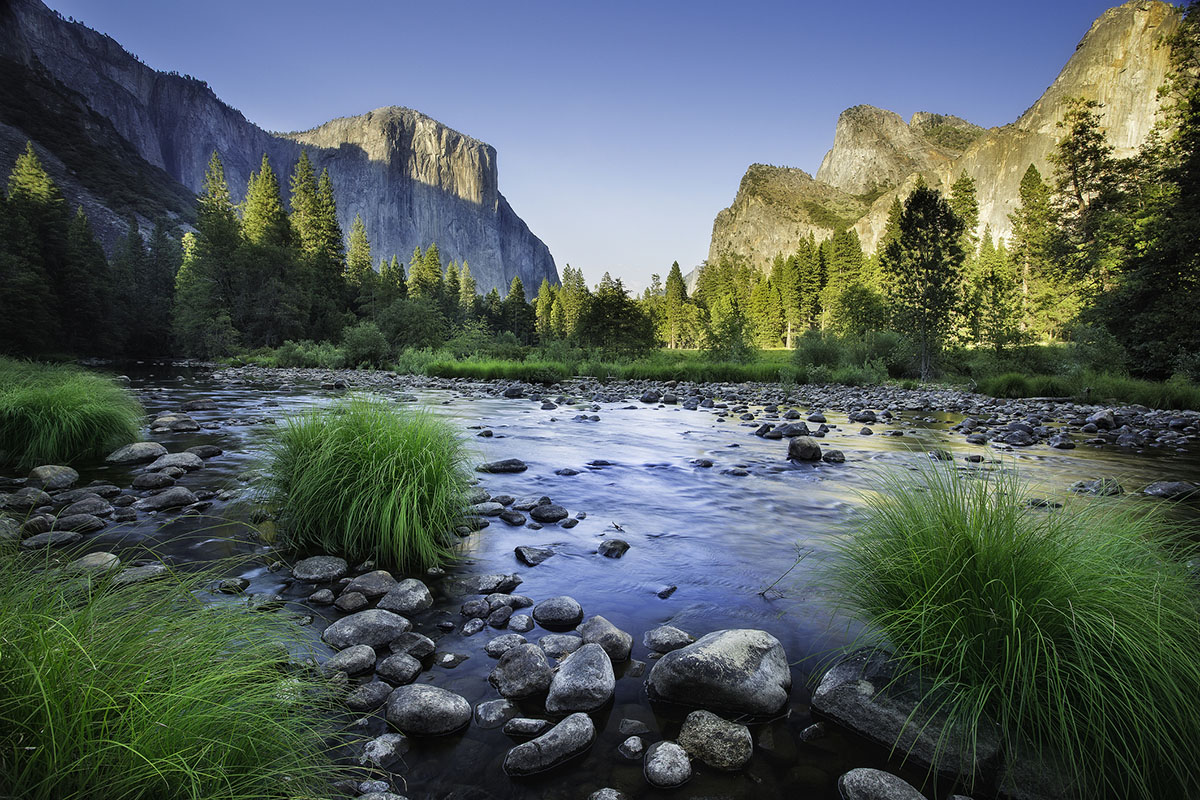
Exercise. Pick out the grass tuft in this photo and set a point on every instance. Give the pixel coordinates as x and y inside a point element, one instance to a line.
<point>1073,630</point>
<point>364,479</point>
<point>52,414</point>
<point>143,691</point>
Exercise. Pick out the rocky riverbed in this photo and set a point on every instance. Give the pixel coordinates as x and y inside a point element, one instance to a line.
<point>623,539</point>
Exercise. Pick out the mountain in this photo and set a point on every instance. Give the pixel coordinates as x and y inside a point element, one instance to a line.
<point>122,138</point>
<point>1121,62</point>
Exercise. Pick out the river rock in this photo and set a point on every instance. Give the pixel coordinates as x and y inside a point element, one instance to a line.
<point>185,461</point>
<point>25,499</point>
<point>558,645</point>
<point>566,740</point>
<point>353,660</point>
<point>81,523</point>
<point>666,638</point>
<point>137,453</point>
<point>1172,490</point>
<point>384,751</point>
<point>667,765</point>
<point>174,497</point>
<point>873,784</point>
<point>616,642</point>
<point>407,597</point>
<point>632,748</point>
<point>608,793</point>
<point>502,644</point>
<point>551,512</point>
<point>52,539</point>
<point>375,627</point>
<point>741,671</point>
<point>320,569</point>
<point>462,585</point>
<point>399,669</point>
<point>504,466</point>
<point>369,696</point>
<point>1104,487</point>
<point>833,457</point>
<point>422,710</point>
<point>584,681</point>
<point>523,726</point>
<point>717,742</point>
<point>488,509</point>
<point>523,671</point>
<point>52,477</point>
<point>417,645</point>
<point>558,613</point>
<point>153,480</point>
<point>376,583</point>
<point>495,713</point>
<point>532,556</point>
<point>92,504</point>
<point>613,548</point>
<point>131,576</point>
<point>96,562</point>
<point>205,451</point>
<point>1104,420</point>
<point>803,448</point>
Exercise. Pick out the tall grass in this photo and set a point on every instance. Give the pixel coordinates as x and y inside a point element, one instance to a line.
<point>364,479</point>
<point>145,692</point>
<point>1074,631</point>
<point>1095,387</point>
<point>56,414</point>
<point>494,369</point>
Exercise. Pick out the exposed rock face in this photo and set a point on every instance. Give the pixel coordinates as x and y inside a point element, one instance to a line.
<point>413,180</point>
<point>1121,62</point>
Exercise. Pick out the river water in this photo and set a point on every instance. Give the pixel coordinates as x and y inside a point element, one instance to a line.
<point>721,539</point>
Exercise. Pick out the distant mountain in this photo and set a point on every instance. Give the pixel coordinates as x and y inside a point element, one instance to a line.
<point>876,156</point>
<point>122,138</point>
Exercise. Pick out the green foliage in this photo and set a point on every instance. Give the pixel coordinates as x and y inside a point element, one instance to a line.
<point>58,414</point>
<point>365,345</point>
<point>613,323</point>
<point>308,354</point>
<point>1053,625</point>
<point>492,369</point>
<point>364,479</point>
<point>144,691</point>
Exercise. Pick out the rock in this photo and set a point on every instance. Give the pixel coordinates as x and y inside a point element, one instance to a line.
<point>495,713</point>
<point>667,765</point>
<point>375,627</point>
<point>96,562</point>
<point>616,642</point>
<point>349,602</point>
<point>376,583</point>
<point>532,556</point>
<point>353,660</point>
<point>522,726</point>
<point>52,477</point>
<point>514,391</point>
<point>1104,487</point>
<point>321,597</point>
<point>462,585</point>
<point>607,793</point>
<point>503,643</point>
<point>407,597</point>
<point>510,517</point>
<point>740,671</point>
<point>499,618</point>
<point>473,626</point>
<point>651,396</point>
<point>1104,420</point>
<point>632,748</point>
<point>613,548</point>
<point>81,523</point>
<point>521,623</point>
<point>153,480</point>
<point>417,645</point>
<point>55,539</point>
<point>584,681</point>
<point>135,575</point>
<point>566,740</point>
<point>666,638</point>
<point>384,751</point>
<point>205,451</point>
<point>137,453</point>
<point>93,504</point>
<point>865,693</point>
<point>548,513</point>
<point>185,461</point>
<point>1061,442</point>
<point>507,465</point>
<point>25,499</point>
<point>369,696</point>
<point>558,645</point>
<point>320,569</point>
<point>1171,490</point>
<point>833,457</point>
<point>488,509</point>
<point>399,669</point>
<point>715,741</point>
<point>523,671</point>
<point>873,784</point>
<point>174,497</point>
<point>422,710</point>
<point>803,448</point>
<point>558,613</point>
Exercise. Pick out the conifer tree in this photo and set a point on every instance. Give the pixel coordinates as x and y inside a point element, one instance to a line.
<point>264,222</point>
<point>675,307</point>
<point>466,291</point>
<point>304,206</point>
<point>965,203</point>
<point>574,295</point>
<point>26,304</point>
<point>358,256</point>
<point>544,308</point>
<point>1045,307</point>
<point>88,302</point>
<point>450,291</point>
<point>517,314</point>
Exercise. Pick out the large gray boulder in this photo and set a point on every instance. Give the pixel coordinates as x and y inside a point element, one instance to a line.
<point>873,784</point>
<point>523,671</point>
<point>462,585</point>
<point>616,642</point>
<point>137,453</point>
<point>422,710</point>
<point>187,461</point>
<point>320,569</point>
<point>52,477</point>
<point>742,671</point>
<point>566,740</point>
<point>667,765</point>
<point>375,627</point>
<point>803,448</point>
<point>584,681</point>
<point>717,742</point>
<point>407,597</point>
<point>175,497</point>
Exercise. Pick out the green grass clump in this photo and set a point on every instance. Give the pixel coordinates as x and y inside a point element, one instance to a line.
<point>496,369</point>
<point>1094,387</point>
<point>1073,630</point>
<point>143,691</point>
<point>52,414</point>
<point>363,479</point>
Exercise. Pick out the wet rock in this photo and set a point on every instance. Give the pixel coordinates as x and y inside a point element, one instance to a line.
<point>153,480</point>
<point>1103,420</point>
<point>94,504</point>
<point>320,569</point>
<point>473,626</point>
<point>349,602</point>
<point>558,645</point>
<point>666,638</point>
<point>548,513</point>
<point>399,669</point>
<point>353,660</point>
<point>141,574</point>
<point>369,696</point>
<point>407,597</point>
<point>650,396</point>
<point>615,642</point>
<point>52,477</point>
<point>184,461</point>
<point>264,601</point>
<point>666,591</point>
<point>231,586</point>
<point>174,497</point>
<point>584,681</point>
<point>384,751</point>
<point>873,784</point>
<point>422,710</point>
<point>417,645</point>
<point>613,548</point>
<point>376,583</point>
<point>532,556</point>
<point>205,451</point>
<point>608,793</point>
<point>495,713</point>
<point>717,742</point>
<point>137,453</point>
<point>530,503</point>
<point>833,457</point>
<point>523,671</point>
<point>667,765</point>
<point>507,465</point>
<point>25,499</point>
<point>488,509</point>
<point>375,627</point>
<point>81,523</point>
<point>1061,442</point>
<point>1103,487</point>
<point>629,727</point>
<point>462,585</point>
<point>54,539</point>
<point>510,517</point>
<point>632,748</point>
<point>803,448</point>
<point>566,740</point>
<point>739,671</point>
<point>523,726</point>
<point>499,618</point>
<point>558,613</point>
<point>521,623</point>
<point>503,643</point>
<point>96,562</point>
<point>1172,490</point>
<point>321,597</point>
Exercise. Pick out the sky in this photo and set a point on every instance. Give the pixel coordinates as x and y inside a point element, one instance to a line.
<point>621,128</point>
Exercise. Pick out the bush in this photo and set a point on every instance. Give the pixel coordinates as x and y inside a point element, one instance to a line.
<point>145,692</point>
<point>309,355</point>
<point>364,345</point>
<point>490,370</point>
<point>57,414</point>
<point>416,362</point>
<point>1074,630</point>
<point>364,480</point>
<point>818,349</point>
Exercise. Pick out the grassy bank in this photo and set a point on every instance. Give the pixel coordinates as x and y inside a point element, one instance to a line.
<point>144,692</point>
<point>366,480</point>
<point>52,414</point>
<point>1095,387</point>
<point>1073,630</point>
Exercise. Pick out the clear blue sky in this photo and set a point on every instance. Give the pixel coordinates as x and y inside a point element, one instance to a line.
<point>622,127</point>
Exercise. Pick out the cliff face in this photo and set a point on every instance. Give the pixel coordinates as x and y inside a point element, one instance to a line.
<point>1120,62</point>
<point>413,180</point>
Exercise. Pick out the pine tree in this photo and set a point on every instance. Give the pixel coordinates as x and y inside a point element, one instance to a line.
<point>544,310</point>
<point>451,286</point>
<point>358,256</point>
<point>518,316</point>
<point>425,276</point>
<point>26,304</point>
<point>965,203</point>
<point>467,301</point>
<point>575,296</point>
<point>675,307</point>
<point>1045,305</point>
<point>88,302</point>
<point>305,208</point>
<point>264,222</point>
<point>39,228</point>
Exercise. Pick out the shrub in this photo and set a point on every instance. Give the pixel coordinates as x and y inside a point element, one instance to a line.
<point>364,345</point>
<point>143,691</point>
<point>308,354</point>
<point>416,362</point>
<point>365,480</point>
<point>57,414</point>
<point>490,370</point>
<point>1073,630</point>
<point>818,349</point>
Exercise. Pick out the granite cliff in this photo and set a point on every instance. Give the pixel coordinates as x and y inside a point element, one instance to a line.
<point>1120,62</point>
<point>412,179</point>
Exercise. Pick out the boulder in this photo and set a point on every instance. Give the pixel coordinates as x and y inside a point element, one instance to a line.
<point>320,569</point>
<point>153,480</point>
<point>803,448</point>
<point>186,461</point>
<point>566,740</point>
<point>52,477</point>
<point>353,660</point>
<point>507,465</point>
<point>137,453</point>
<point>422,710</point>
<point>558,613</point>
<point>616,642</point>
<point>375,627</point>
<point>667,765</point>
<point>532,556</point>
<point>399,669</point>
<point>376,583</point>
<point>523,671</point>
<point>717,742</point>
<point>174,497</point>
<point>550,512</point>
<point>462,585</point>
<point>407,597</point>
<point>584,681</point>
<point>741,671</point>
<point>873,784</point>
<point>1172,490</point>
<point>666,638</point>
